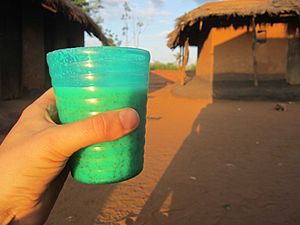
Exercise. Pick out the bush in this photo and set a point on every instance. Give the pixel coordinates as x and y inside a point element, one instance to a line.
<point>191,67</point>
<point>162,66</point>
<point>169,66</point>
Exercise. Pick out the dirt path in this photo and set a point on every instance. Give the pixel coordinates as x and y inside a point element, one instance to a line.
<point>224,163</point>
<point>208,163</point>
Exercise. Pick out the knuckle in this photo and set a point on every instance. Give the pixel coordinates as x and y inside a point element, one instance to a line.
<point>26,112</point>
<point>101,127</point>
<point>24,120</point>
<point>53,145</point>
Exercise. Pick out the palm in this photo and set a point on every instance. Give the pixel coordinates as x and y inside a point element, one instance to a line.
<point>34,155</point>
<point>37,166</point>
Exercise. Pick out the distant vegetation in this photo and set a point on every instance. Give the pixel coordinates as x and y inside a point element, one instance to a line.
<point>191,67</point>
<point>168,66</point>
<point>162,66</point>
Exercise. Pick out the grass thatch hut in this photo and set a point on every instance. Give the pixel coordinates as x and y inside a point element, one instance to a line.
<point>31,28</point>
<point>254,37</point>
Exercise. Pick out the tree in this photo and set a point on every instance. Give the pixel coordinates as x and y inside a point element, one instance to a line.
<point>113,37</point>
<point>126,18</point>
<point>178,58</point>
<point>136,28</point>
<point>81,3</point>
<point>91,7</point>
<point>139,26</point>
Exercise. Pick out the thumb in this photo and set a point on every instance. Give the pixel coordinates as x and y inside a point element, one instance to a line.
<point>103,127</point>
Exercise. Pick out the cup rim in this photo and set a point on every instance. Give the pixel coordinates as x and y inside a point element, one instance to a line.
<point>90,49</point>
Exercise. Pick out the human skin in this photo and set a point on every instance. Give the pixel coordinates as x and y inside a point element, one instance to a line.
<point>33,156</point>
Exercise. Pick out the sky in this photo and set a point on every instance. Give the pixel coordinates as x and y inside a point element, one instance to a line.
<point>158,17</point>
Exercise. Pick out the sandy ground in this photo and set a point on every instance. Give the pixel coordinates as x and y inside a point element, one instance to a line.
<point>206,162</point>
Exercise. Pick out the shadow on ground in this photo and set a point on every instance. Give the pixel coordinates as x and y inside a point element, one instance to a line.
<point>157,82</point>
<point>238,165</point>
<point>239,87</point>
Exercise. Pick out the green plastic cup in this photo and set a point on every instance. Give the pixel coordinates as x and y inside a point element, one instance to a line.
<point>91,80</point>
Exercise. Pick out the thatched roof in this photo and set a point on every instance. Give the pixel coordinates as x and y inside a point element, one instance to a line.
<point>232,9</point>
<point>74,13</point>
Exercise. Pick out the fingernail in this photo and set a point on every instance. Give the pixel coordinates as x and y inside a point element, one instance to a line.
<point>129,118</point>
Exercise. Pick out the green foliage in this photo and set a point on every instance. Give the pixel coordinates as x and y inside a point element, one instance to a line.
<point>81,3</point>
<point>156,65</point>
<point>178,57</point>
<point>131,23</point>
<point>113,37</point>
<point>127,8</point>
<point>126,18</point>
<point>139,26</point>
<point>90,6</point>
<point>162,66</point>
<point>191,67</point>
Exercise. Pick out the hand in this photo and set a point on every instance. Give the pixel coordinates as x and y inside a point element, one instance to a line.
<point>33,156</point>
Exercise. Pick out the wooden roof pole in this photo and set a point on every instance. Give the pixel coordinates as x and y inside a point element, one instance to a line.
<point>180,59</point>
<point>254,42</point>
<point>184,62</point>
<point>293,54</point>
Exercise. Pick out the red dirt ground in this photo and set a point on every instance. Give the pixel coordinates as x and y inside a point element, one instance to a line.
<point>206,162</point>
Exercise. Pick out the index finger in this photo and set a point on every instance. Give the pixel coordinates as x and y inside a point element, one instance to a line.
<point>43,108</point>
<point>46,98</point>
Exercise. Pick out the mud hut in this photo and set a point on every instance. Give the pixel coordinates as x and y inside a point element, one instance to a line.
<point>31,28</point>
<point>256,38</point>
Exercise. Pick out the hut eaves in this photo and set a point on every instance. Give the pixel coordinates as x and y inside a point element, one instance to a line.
<point>74,13</point>
<point>232,8</point>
